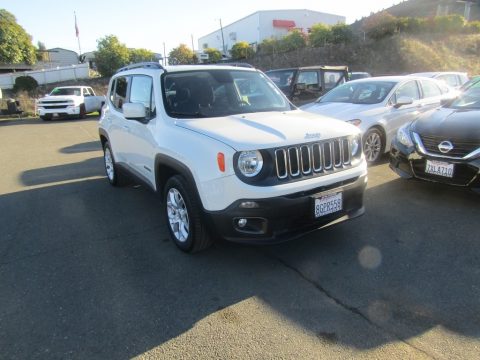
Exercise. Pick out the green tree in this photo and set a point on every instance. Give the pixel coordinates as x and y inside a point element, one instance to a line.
<point>181,55</point>
<point>380,25</point>
<point>15,44</point>
<point>269,46</point>
<point>320,35</point>
<point>293,40</point>
<point>42,54</point>
<point>111,55</point>
<point>141,55</point>
<point>241,50</point>
<point>214,55</point>
<point>342,34</point>
<point>25,83</point>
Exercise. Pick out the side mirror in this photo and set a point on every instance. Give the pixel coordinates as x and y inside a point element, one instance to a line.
<point>134,111</point>
<point>447,102</point>
<point>403,100</point>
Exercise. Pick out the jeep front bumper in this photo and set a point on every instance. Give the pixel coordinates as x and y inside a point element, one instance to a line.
<point>286,217</point>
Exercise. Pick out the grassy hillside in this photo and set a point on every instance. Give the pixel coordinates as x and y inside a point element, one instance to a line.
<point>406,54</point>
<point>399,54</point>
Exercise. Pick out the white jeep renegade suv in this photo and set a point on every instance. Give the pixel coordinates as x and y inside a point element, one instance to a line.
<point>229,154</point>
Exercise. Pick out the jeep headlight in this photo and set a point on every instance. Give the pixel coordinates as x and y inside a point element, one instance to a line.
<point>355,146</point>
<point>250,163</point>
<point>403,136</point>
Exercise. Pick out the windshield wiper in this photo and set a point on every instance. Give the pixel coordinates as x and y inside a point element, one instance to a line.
<point>188,115</point>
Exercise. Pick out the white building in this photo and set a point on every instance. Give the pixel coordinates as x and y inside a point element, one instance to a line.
<point>266,24</point>
<point>61,57</point>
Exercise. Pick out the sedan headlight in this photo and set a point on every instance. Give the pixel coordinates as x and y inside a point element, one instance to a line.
<point>355,122</point>
<point>250,163</point>
<point>403,136</point>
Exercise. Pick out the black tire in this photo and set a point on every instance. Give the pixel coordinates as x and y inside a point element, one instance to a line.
<point>83,112</point>
<point>46,117</point>
<point>183,212</point>
<point>111,168</point>
<point>373,145</point>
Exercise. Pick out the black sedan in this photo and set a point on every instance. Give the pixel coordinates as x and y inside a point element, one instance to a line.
<point>442,145</point>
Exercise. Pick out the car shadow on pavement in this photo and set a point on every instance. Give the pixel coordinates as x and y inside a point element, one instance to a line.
<point>82,147</point>
<point>71,171</point>
<point>87,270</point>
<point>38,121</point>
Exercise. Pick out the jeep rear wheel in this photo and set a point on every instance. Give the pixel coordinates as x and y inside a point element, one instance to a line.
<point>183,215</point>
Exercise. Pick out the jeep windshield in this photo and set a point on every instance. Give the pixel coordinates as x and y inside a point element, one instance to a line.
<point>65,91</point>
<point>220,92</point>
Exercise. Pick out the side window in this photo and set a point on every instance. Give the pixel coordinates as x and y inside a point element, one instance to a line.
<point>309,78</point>
<point>430,89</point>
<point>119,93</point>
<point>86,92</point>
<point>451,80</point>
<point>410,89</point>
<point>141,91</point>
<point>332,78</point>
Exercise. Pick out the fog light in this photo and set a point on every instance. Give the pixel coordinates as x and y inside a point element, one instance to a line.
<point>249,205</point>
<point>242,222</point>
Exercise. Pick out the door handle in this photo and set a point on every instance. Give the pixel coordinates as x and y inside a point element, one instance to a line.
<point>125,127</point>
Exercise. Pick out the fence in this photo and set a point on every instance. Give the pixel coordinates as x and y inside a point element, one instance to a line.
<point>47,76</point>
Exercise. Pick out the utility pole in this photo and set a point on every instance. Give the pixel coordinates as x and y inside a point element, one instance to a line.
<point>77,33</point>
<point>223,40</point>
<point>164,55</point>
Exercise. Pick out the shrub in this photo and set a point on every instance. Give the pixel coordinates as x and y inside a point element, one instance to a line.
<point>341,34</point>
<point>472,27</point>
<point>25,83</point>
<point>320,35</point>
<point>293,40</point>
<point>380,25</point>
<point>449,24</point>
<point>241,50</point>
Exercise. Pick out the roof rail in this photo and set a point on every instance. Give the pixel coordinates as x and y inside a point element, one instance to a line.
<point>145,65</point>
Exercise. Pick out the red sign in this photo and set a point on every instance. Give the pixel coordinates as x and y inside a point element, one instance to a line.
<point>284,23</point>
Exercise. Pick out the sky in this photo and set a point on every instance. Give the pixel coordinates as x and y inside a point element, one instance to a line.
<point>150,24</point>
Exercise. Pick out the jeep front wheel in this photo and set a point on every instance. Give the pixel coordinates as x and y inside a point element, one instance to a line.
<point>110,166</point>
<point>183,215</point>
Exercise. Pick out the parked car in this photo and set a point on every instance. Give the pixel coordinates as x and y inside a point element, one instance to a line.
<point>379,106</point>
<point>229,155</point>
<point>358,75</point>
<point>75,101</point>
<point>442,145</point>
<point>473,80</point>
<point>453,79</point>
<point>304,84</point>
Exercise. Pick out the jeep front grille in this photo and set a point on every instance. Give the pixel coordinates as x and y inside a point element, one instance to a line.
<point>302,160</point>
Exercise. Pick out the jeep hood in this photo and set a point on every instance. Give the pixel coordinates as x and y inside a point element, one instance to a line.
<point>269,129</point>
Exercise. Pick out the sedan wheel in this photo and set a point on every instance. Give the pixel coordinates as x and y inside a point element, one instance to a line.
<point>373,145</point>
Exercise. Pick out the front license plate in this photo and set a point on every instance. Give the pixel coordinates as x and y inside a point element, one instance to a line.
<point>439,168</point>
<point>328,204</point>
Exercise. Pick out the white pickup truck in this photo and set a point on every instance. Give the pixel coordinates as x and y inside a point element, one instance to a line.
<point>69,101</point>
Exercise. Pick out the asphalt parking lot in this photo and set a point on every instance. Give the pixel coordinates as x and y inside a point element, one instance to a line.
<point>87,271</point>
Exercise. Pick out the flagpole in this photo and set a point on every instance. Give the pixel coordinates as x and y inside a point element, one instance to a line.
<point>77,33</point>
